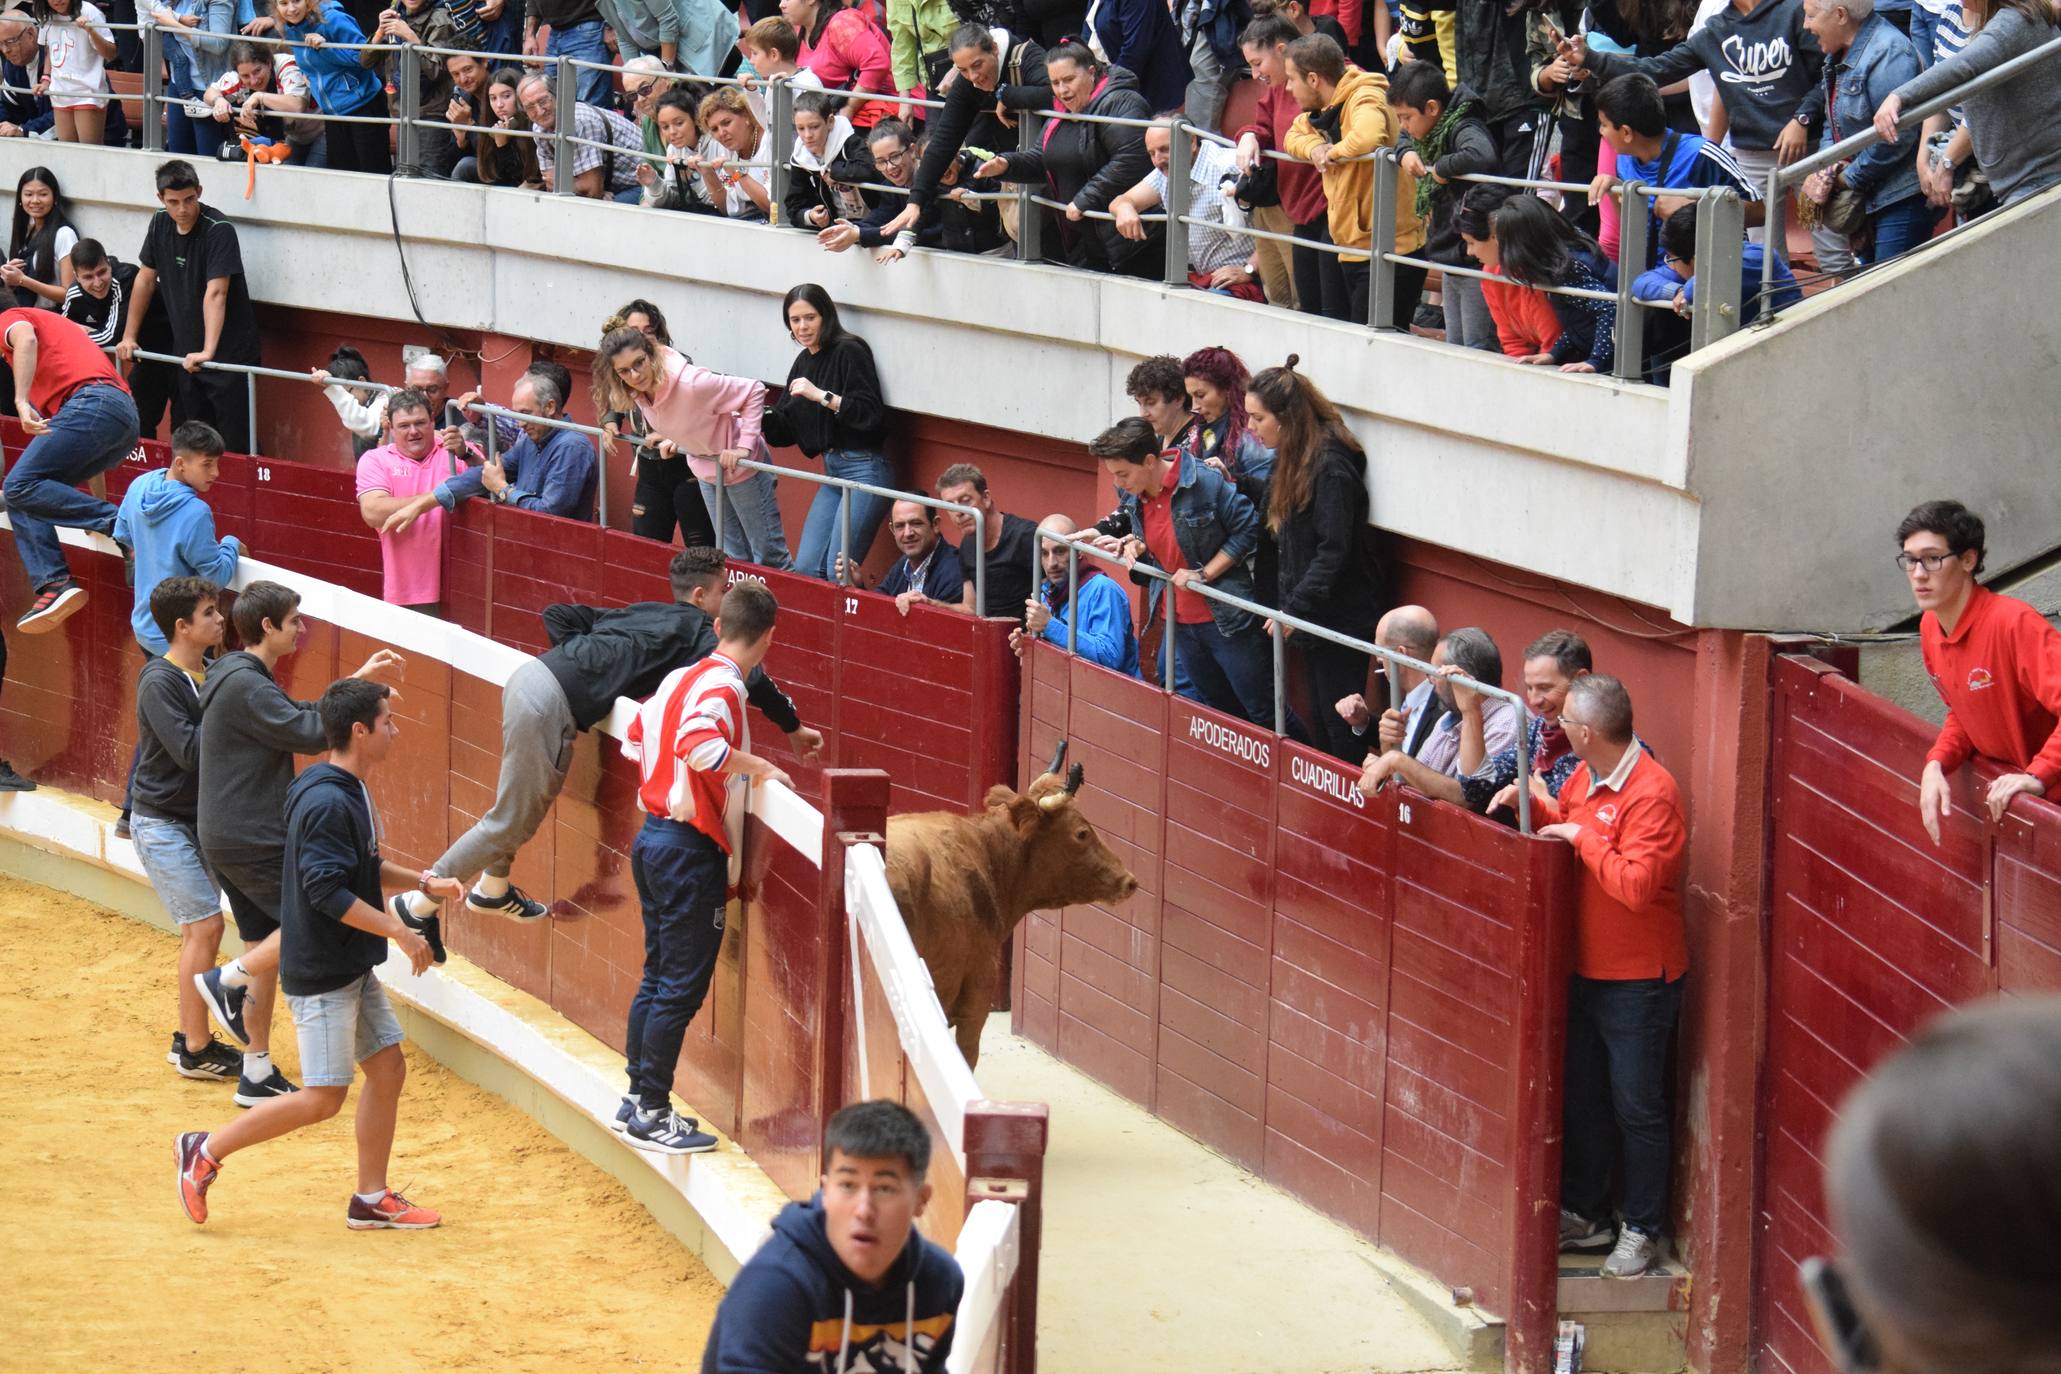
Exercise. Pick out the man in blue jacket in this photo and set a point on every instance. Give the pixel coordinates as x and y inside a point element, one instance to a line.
<point>334,931</point>
<point>846,1282</point>
<point>1099,610</point>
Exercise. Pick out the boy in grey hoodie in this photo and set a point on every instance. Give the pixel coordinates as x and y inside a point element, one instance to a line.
<point>250,729</point>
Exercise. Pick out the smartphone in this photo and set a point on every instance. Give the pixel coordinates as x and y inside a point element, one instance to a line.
<point>1840,1328</point>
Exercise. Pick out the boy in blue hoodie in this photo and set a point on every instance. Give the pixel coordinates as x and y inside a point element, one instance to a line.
<point>334,932</point>
<point>171,533</point>
<point>846,1282</point>
<point>1675,279</point>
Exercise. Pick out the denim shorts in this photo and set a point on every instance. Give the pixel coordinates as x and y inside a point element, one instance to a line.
<point>170,854</point>
<point>341,1029</point>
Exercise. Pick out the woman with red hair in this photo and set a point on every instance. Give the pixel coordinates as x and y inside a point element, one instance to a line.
<point>1220,435</point>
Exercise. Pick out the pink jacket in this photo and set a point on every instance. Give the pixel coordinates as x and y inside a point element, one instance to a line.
<point>705,412</point>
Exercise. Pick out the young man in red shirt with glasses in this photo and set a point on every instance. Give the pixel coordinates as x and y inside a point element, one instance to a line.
<point>1995,661</point>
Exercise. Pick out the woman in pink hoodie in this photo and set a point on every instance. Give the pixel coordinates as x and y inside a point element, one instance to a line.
<point>711,419</point>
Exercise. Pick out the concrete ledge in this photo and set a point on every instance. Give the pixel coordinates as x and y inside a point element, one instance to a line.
<point>718,1205</point>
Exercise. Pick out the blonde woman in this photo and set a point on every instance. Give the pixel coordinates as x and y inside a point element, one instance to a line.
<point>736,176</point>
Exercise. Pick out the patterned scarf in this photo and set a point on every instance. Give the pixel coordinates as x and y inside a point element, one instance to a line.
<point>1434,146</point>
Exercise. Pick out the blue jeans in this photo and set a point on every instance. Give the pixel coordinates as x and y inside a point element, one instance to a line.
<point>680,876</point>
<point>823,532</point>
<point>1900,227</point>
<point>1924,34</point>
<point>584,42</point>
<point>199,138</point>
<point>1229,673</point>
<point>1616,1104</point>
<point>751,520</point>
<point>94,430</point>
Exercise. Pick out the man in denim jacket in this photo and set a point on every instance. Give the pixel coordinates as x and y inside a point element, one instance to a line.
<point>1865,60</point>
<point>1187,520</point>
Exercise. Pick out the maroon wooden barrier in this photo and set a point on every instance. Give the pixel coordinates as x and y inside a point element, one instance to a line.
<point>1873,930</point>
<point>1362,999</point>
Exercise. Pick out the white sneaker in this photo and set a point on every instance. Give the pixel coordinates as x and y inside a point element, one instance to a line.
<point>1636,1252</point>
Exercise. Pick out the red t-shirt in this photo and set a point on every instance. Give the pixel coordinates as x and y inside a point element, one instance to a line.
<point>1156,513</point>
<point>1999,673</point>
<point>66,359</point>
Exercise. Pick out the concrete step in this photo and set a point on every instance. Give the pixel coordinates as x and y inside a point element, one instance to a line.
<point>1633,1326</point>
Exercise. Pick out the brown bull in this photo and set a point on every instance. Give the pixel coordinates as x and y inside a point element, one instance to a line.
<point>963,882</point>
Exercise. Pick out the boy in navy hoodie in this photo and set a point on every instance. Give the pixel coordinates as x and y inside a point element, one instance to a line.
<point>334,931</point>
<point>846,1282</point>
<point>171,533</point>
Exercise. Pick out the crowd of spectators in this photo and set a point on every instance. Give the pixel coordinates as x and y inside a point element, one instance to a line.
<point>907,115</point>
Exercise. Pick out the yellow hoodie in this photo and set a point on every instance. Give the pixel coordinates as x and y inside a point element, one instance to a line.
<point>1366,123</point>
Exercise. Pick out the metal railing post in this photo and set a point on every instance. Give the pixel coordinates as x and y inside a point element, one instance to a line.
<point>780,147</point>
<point>1774,238</point>
<point>250,409</point>
<point>1280,679</point>
<point>601,480</point>
<point>1721,243</point>
<point>565,93</point>
<point>1630,342</point>
<point>408,96</point>
<point>1179,156</point>
<point>1073,599</point>
<point>1381,240</point>
<point>844,534</point>
<point>980,562</point>
<point>1166,636</point>
<point>1523,771</point>
<point>1030,228</point>
<point>722,508</point>
<point>153,87</point>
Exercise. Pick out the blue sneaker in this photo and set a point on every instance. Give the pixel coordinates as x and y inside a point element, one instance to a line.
<point>249,1094</point>
<point>225,1002</point>
<point>623,1112</point>
<point>667,1133</point>
<point>430,928</point>
<point>515,904</point>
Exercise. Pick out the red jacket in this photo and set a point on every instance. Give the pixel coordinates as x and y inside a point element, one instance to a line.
<point>1999,673</point>
<point>1525,322</point>
<point>1301,185</point>
<point>1628,913</point>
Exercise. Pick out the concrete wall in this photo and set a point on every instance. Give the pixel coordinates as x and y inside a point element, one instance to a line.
<point>1041,350</point>
<point>1812,438</point>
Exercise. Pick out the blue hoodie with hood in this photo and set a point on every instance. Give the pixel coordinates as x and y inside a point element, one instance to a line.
<point>173,534</point>
<point>795,1307</point>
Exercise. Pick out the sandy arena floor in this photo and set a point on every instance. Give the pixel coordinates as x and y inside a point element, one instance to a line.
<point>542,1262</point>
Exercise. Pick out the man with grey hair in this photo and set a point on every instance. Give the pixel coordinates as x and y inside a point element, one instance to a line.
<point>1413,631</point>
<point>1466,728</point>
<point>1623,814</point>
<point>537,466</point>
<point>365,416</point>
<point>605,163</point>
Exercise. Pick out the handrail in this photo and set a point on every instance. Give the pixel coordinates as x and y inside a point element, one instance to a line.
<point>1277,620</point>
<point>1780,178</point>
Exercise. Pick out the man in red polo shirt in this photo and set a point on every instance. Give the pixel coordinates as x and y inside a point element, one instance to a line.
<point>1623,815</point>
<point>1995,661</point>
<point>81,421</point>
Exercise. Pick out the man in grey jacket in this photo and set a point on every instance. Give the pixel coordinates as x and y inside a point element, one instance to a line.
<point>250,729</point>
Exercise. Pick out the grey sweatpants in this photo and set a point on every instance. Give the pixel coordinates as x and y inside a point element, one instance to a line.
<point>536,748</point>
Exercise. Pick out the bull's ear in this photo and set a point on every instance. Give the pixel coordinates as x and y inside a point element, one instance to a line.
<point>999,798</point>
<point>1024,814</point>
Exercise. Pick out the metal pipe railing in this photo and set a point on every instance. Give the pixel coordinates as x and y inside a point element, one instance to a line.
<point>1278,621</point>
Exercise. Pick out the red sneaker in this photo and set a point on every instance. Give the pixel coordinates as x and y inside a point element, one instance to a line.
<point>52,607</point>
<point>392,1212</point>
<point>196,1172</point>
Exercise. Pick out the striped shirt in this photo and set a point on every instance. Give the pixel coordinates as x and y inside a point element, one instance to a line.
<point>1948,38</point>
<point>682,736</point>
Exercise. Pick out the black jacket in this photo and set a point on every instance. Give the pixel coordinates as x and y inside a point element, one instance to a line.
<point>1090,165</point>
<point>167,782</point>
<point>1331,572</point>
<point>598,655</point>
<point>844,367</point>
<point>809,188</point>
<point>945,223</point>
<point>332,863</point>
<point>968,118</point>
<point>249,732</point>
<point>1493,58</point>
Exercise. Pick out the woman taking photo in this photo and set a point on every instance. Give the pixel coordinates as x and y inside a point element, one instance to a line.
<point>711,419</point>
<point>833,411</point>
<point>1318,512</point>
<point>675,185</point>
<point>667,496</point>
<point>1087,165</point>
<point>38,268</point>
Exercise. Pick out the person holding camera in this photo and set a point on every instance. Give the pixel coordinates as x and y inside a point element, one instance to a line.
<point>255,99</point>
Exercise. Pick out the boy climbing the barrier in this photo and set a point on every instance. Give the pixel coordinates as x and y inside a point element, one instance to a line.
<point>596,655</point>
<point>692,744</point>
<point>335,929</point>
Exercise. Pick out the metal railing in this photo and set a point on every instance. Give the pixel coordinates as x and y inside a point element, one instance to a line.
<point>1278,622</point>
<point>1781,178</point>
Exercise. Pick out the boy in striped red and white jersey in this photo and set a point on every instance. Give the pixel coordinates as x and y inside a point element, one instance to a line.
<point>692,744</point>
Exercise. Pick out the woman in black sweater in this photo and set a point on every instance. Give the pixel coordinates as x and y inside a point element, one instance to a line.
<point>832,410</point>
<point>1319,514</point>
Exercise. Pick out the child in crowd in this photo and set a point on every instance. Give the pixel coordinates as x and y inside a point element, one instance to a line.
<point>1533,250</point>
<point>76,44</point>
<point>1674,281</point>
<point>677,187</point>
<point>1444,139</point>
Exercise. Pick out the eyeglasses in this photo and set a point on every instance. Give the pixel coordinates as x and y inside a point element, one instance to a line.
<point>892,159</point>
<point>1933,561</point>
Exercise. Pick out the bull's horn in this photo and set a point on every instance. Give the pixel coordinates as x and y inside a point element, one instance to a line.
<point>1058,757</point>
<point>1073,779</point>
<point>1052,801</point>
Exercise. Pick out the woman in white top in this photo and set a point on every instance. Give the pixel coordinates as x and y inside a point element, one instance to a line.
<point>737,176</point>
<point>38,266</point>
<point>76,45</point>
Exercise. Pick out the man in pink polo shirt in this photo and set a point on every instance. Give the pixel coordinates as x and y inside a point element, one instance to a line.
<point>389,478</point>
